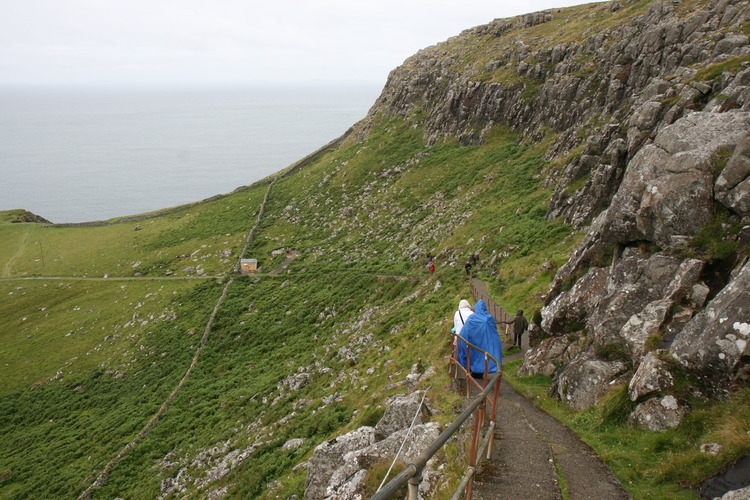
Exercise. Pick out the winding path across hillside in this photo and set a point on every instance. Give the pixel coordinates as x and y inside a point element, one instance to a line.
<point>12,260</point>
<point>104,475</point>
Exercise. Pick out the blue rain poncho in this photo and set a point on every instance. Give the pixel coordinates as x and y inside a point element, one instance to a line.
<point>480,330</point>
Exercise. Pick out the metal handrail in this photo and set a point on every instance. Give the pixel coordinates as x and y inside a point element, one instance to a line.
<point>412,473</point>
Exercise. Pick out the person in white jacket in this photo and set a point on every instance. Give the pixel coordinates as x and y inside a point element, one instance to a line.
<point>460,317</point>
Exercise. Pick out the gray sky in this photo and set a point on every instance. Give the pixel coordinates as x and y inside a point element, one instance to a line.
<point>234,42</point>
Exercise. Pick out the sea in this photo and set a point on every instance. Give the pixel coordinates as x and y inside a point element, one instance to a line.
<point>76,154</point>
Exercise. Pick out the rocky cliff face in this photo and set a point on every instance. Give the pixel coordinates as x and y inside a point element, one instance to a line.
<point>647,110</point>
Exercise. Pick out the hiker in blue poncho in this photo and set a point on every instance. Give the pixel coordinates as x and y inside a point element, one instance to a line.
<point>480,330</point>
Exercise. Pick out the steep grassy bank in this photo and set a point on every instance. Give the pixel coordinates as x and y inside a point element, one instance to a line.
<point>94,389</point>
<point>350,316</point>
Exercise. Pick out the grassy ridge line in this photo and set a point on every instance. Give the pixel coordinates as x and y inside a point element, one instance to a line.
<point>196,357</point>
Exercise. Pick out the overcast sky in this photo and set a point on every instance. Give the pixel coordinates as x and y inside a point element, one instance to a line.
<point>231,42</point>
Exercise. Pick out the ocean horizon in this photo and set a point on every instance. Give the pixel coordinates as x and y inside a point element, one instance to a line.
<point>79,154</point>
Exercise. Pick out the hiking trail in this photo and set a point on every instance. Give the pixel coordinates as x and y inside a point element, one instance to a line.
<point>12,260</point>
<point>535,456</point>
<point>104,475</point>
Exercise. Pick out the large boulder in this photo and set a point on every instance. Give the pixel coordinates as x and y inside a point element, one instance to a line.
<point>550,355</point>
<point>640,326</point>
<point>585,379</point>
<point>635,281</point>
<point>704,132</point>
<point>400,412</point>
<point>651,377</point>
<point>667,190</point>
<point>658,414</point>
<point>573,306</point>
<point>653,318</point>
<point>347,480</point>
<point>718,338</point>
<point>733,185</point>
<point>329,456</point>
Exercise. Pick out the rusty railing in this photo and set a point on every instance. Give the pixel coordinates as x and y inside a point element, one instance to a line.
<point>489,395</point>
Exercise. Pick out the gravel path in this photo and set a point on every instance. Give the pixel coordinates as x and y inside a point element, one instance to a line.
<point>531,449</point>
<point>535,456</point>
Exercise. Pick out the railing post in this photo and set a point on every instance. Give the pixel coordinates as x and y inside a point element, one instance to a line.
<point>413,488</point>
<point>468,370</point>
<point>474,446</point>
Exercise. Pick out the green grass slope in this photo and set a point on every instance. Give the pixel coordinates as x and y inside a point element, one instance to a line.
<point>90,361</point>
<point>99,324</point>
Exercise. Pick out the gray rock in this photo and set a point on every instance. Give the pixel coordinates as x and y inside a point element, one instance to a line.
<point>346,480</point>
<point>717,339</point>
<point>619,225</point>
<point>655,88</point>
<point>584,380</point>
<point>667,189</point>
<point>653,316</point>
<point>705,132</point>
<point>293,443</point>
<point>550,355</point>
<point>575,305</point>
<point>730,43</point>
<point>699,294</point>
<point>733,185</point>
<point>642,325</point>
<point>295,381</point>
<point>400,412</point>
<point>646,116</point>
<point>741,494</point>
<point>634,282</point>
<point>657,414</point>
<point>329,456</point>
<point>652,376</point>
<point>685,280</point>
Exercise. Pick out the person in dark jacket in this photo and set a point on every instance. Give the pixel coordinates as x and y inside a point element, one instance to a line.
<point>519,326</point>
<point>480,330</point>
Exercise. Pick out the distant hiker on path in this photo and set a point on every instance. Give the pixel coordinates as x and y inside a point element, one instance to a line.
<point>467,266</point>
<point>480,330</point>
<point>431,267</point>
<point>519,326</point>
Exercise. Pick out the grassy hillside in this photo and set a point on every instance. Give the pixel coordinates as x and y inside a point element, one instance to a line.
<point>89,362</point>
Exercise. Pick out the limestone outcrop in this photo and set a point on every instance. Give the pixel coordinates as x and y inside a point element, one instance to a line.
<point>339,466</point>
<point>656,160</point>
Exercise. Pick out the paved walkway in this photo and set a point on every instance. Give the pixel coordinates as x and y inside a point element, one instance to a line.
<point>532,451</point>
<point>534,456</point>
